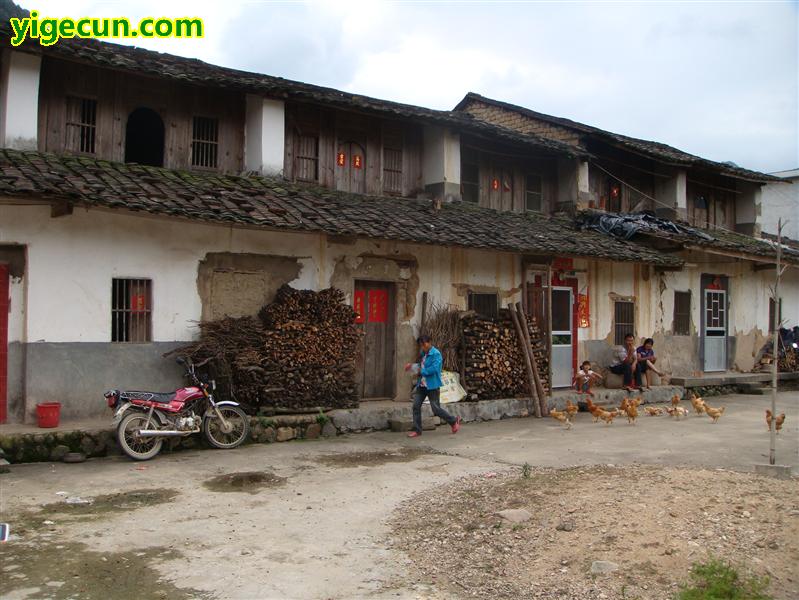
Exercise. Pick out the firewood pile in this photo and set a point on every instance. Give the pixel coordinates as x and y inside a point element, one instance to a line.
<point>297,356</point>
<point>443,326</point>
<point>493,363</point>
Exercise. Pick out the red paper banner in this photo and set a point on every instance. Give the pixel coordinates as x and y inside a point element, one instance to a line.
<point>378,306</point>
<point>357,161</point>
<point>583,310</point>
<point>341,159</point>
<point>138,302</point>
<point>357,305</point>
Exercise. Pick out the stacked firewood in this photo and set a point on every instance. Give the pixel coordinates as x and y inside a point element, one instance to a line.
<point>297,356</point>
<point>493,363</point>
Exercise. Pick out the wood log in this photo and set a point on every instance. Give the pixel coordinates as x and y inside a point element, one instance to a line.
<point>542,398</point>
<point>526,357</point>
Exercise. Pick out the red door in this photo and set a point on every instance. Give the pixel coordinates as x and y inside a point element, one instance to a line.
<point>374,303</point>
<point>5,301</point>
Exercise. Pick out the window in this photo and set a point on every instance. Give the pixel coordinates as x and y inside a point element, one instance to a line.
<point>771,315</point>
<point>144,138</point>
<point>682,313</point>
<point>486,305</point>
<point>81,124</point>
<point>614,196</point>
<point>533,193</point>
<point>204,142</point>
<point>624,320</point>
<point>308,158</point>
<point>470,177</point>
<point>131,310</point>
<point>392,170</point>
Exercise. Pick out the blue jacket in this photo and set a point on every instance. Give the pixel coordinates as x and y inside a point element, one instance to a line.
<point>432,369</point>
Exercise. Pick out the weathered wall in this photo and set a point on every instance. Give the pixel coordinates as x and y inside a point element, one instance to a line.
<point>71,260</point>
<point>781,201</point>
<point>518,122</point>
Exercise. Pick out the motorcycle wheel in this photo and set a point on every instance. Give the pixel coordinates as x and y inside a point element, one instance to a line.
<point>238,421</point>
<point>138,448</point>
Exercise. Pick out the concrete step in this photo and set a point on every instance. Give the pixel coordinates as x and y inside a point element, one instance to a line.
<point>754,389</point>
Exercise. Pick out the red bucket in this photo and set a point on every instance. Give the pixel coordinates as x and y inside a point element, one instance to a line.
<point>48,413</point>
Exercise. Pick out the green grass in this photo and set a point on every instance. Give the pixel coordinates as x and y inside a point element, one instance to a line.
<point>719,580</point>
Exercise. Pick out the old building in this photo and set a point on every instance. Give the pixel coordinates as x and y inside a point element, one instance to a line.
<point>142,192</point>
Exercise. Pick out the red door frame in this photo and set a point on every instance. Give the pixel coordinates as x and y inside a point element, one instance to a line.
<point>5,302</point>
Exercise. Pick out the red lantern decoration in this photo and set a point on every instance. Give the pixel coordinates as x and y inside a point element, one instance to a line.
<point>341,159</point>
<point>357,161</point>
<point>614,191</point>
<point>495,184</point>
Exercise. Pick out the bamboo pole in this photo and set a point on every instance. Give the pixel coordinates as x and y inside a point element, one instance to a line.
<point>772,454</point>
<point>539,388</point>
<point>524,346</point>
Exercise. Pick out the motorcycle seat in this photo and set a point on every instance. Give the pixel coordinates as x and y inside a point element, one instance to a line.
<point>159,397</point>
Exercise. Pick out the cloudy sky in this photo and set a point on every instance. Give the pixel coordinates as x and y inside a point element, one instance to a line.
<point>718,79</point>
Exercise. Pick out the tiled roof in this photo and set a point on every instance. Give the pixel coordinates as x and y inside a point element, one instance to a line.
<point>193,71</point>
<point>276,204</point>
<point>641,227</point>
<point>655,150</point>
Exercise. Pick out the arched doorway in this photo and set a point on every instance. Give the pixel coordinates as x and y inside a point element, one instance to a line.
<point>144,138</point>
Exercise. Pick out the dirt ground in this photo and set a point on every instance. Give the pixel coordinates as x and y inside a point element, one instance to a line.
<point>652,522</point>
<point>359,516</point>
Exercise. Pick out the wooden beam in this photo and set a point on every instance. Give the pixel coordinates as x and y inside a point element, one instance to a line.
<point>60,208</point>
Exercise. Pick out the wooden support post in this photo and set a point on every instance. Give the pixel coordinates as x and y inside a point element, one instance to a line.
<point>525,348</point>
<point>424,314</point>
<point>539,388</point>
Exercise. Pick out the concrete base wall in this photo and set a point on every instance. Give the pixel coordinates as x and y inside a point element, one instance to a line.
<point>77,374</point>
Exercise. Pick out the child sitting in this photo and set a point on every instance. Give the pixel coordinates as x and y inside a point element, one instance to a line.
<point>585,377</point>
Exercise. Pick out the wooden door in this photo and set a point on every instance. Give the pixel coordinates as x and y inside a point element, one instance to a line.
<point>375,304</point>
<point>351,166</point>
<point>4,306</point>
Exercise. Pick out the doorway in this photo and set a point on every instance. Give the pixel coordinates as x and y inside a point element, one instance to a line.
<point>714,334</point>
<point>375,303</point>
<point>144,138</point>
<point>351,167</point>
<point>562,336</point>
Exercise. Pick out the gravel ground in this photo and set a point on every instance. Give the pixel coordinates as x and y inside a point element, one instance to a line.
<point>653,522</point>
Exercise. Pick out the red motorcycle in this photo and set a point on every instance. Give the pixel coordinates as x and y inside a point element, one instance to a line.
<point>144,419</point>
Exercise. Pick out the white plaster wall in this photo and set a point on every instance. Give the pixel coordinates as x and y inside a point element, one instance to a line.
<point>781,200</point>
<point>264,135</point>
<point>72,259</point>
<point>441,162</point>
<point>19,100</point>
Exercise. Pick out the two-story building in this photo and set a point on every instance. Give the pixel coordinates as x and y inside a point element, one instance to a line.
<point>714,312</point>
<point>142,192</point>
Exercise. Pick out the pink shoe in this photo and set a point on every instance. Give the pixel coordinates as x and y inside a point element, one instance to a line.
<point>456,425</point>
<point>414,434</point>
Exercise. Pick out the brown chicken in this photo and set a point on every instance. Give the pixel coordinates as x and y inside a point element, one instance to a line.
<point>653,411</point>
<point>624,404</point>
<point>593,409</point>
<point>562,416</point>
<point>635,402</point>
<point>608,417</point>
<point>714,413</point>
<point>571,409</point>
<point>632,412</point>
<point>698,404</point>
<point>778,423</point>
<point>675,399</point>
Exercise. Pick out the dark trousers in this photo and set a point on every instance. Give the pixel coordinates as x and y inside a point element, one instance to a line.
<point>626,370</point>
<point>418,398</point>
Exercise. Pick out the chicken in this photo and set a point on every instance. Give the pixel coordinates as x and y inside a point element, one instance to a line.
<point>714,413</point>
<point>677,412</point>
<point>675,399</point>
<point>778,423</point>
<point>562,416</point>
<point>635,402</point>
<point>608,417</point>
<point>624,404</point>
<point>593,409</point>
<point>571,409</point>
<point>698,404</point>
<point>653,412</point>
<point>632,412</point>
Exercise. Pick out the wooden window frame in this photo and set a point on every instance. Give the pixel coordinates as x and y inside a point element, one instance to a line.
<point>299,158</point>
<point>390,170</point>
<point>622,328</point>
<point>528,192</point>
<point>682,313</point>
<point>81,125</point>
<point>205,142</point>
<point>472,186</point>
<point>131,324</point>
<point>474,299</point>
